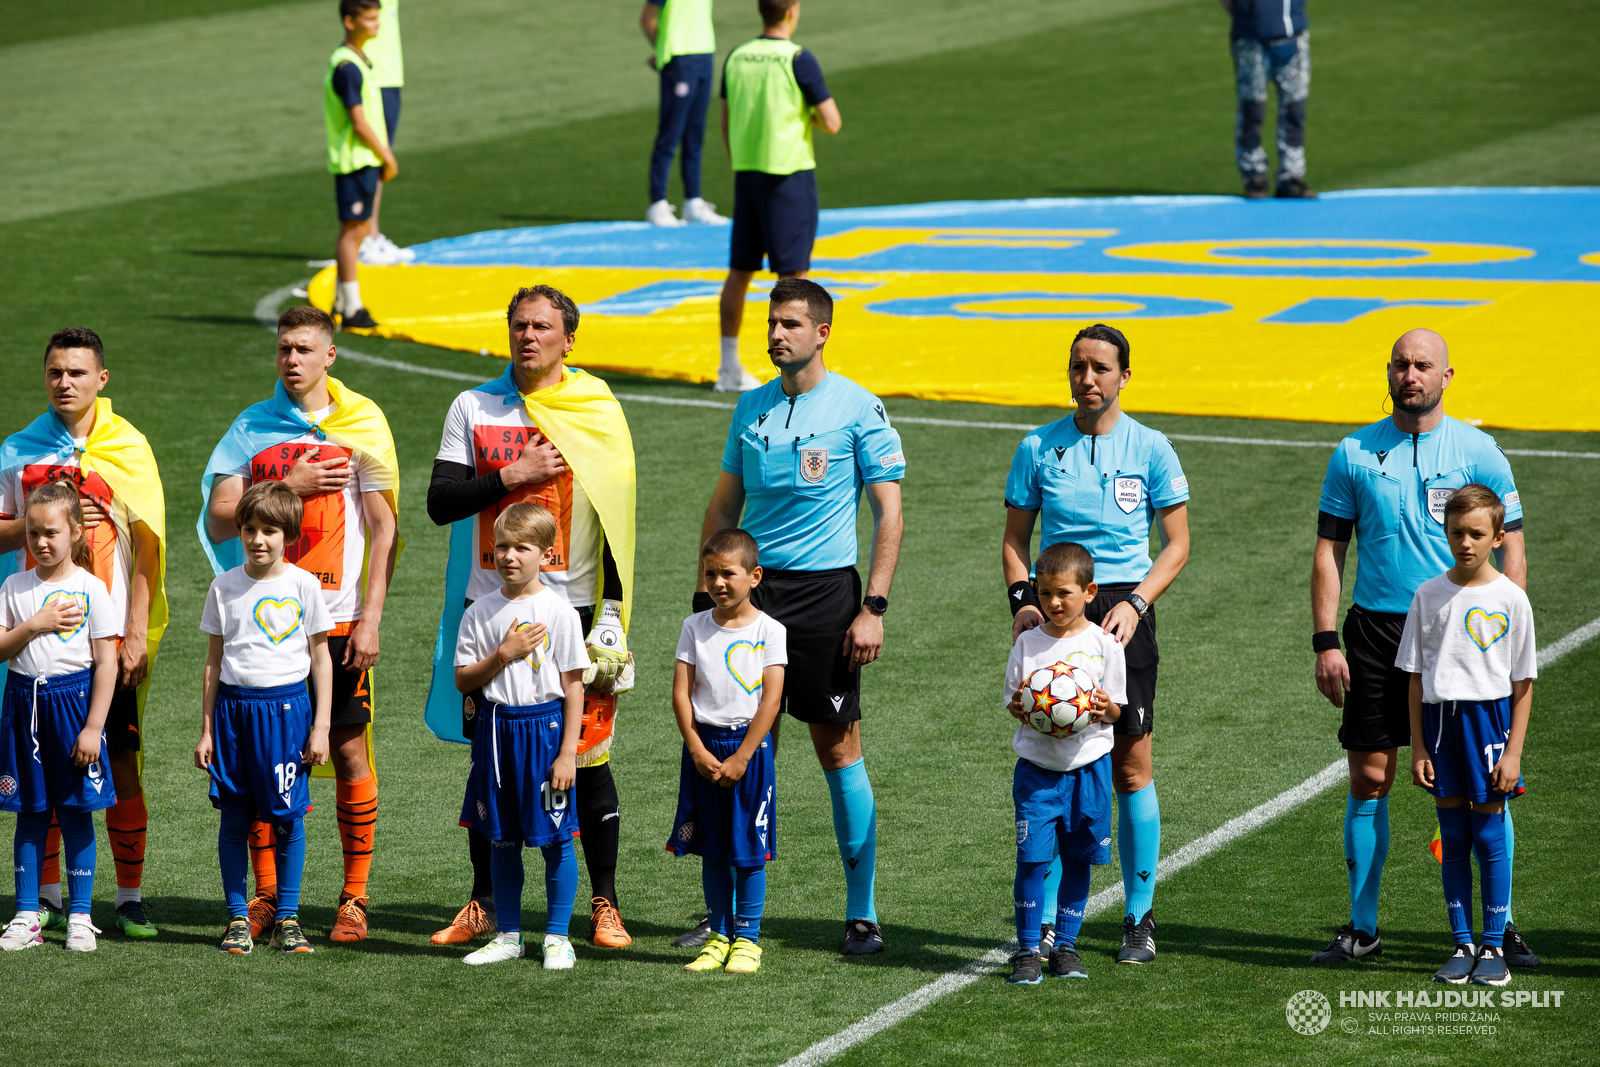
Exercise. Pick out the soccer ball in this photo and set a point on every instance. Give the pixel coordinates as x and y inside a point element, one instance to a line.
<point>1058,699</point>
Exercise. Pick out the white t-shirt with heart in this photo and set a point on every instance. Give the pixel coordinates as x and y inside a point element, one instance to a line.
<point>266,625</point>
<point>728,664</point>
<point>1468,642</point>
<point>536,677</point>
<point>54,654</point>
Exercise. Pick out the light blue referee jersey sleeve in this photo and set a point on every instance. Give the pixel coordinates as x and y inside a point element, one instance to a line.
<point>1394,487</point>
<point>803,461</point>
<point>1101,492</point>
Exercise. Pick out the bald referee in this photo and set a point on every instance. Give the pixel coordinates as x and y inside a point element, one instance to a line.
<point>800,450</point>
<point>1387,485</point>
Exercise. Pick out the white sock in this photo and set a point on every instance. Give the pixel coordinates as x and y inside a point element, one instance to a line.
<point>29,917</point>
<point>51,894</point>
<point>731,366</point>
<point>125,895</point>
<point>350,297</point>
<point>79,917</point>
<point>554,939</point>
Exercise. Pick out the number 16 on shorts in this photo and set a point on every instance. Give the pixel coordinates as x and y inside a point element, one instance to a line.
<point>554,799</point>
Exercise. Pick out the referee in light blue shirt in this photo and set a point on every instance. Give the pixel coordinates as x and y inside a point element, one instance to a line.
<point>800,450</point>
<point>1101,479</point>
<point>1387,485</point>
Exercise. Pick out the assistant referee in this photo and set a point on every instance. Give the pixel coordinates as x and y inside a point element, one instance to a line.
<point>800,450</point>
<point>1387,484</point>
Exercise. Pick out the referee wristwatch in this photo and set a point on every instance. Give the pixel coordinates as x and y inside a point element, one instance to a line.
<point>875,604</point>
<point>1139,604</point>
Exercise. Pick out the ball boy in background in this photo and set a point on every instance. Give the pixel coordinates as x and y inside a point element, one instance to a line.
<point>1062,785</point>
<point>727,690</point>
<point>522,645</point>
<point>1468,645</point>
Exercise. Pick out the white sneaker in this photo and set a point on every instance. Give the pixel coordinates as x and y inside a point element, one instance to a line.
<point>558,953</point>
<point>741,382</point>
<point>80,934</point>
<point>374,254</point>
<point>502,948</point>
<point>22,932</point>
<point>660,214</point>
<point>697,212</point>
<point>401,255</point>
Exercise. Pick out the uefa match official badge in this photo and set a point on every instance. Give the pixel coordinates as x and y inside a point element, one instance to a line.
<point>1308,1012</point>
<point>813,464</point>
<point>1129,492</point>
<point>1437,499</point>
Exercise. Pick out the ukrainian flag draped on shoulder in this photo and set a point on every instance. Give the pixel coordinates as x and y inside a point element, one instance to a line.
<point>355,423</point>
<point>119,454</point>
<point>585,423</point>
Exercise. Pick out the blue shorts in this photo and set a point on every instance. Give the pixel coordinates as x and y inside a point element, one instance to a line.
<point>391,111</point>
<point>773,215</point>
<point>1465,740</point>
<point>354,193</point>
<point>40,721</point>
<point>1066,809</point>
<point>735,824</point>
<point>508,783</point>
<point>255,765</point>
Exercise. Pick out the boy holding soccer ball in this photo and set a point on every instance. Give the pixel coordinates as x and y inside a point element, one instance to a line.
<point>1066,683</point>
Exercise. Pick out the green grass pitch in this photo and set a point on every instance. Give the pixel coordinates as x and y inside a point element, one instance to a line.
<point>166,185</point>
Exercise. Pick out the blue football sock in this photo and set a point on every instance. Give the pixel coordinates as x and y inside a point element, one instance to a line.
<point>233,855</point>
<point>1366,847</point>
<point>1072,901</point>
<point>1138,847</point>
<point>1455,861</point>
<point>1028,890</point>
<point>750,895</point>
<point>1511,860</point>
<point>716,878</point>
<point>77,856</point>
<point>855,825</point>
<point>506,875</point>
<point>291,857</point>
<point>1494,873</point>
<point>560,885</point>
<point>28,850</point>
<point>1052,886</point>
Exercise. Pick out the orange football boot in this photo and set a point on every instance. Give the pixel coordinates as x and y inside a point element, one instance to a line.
<point>606,928</point>
<point>263,915</point>
<point>470,922</point>
<point>351,923</point>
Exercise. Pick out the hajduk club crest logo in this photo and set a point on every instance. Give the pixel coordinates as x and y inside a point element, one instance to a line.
<point>8,786</point>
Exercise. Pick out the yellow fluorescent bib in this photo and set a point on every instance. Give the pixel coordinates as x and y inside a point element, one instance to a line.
<point>346,151</point>
<point>769,122</point>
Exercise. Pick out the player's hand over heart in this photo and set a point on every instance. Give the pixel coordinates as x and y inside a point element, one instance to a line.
<point>864,640</point>
<point>93,514</point>
<point>61,616</point>
<point>731,770</point>
<point>1333,676</point>
<point>1015,707</point>
<point>520,640</point>
<point>313,476</point>
<point>316,753</point>
<point>1120,622</point>
<point>539,462</point>
<point>1026,618</point>
<point>86,749</point>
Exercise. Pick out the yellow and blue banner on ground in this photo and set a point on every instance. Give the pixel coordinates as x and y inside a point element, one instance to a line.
<point>1258,309</point>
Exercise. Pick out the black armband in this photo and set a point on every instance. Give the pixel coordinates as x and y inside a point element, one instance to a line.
<point>1325,641</point>
<point>703,602</point>
<point>1020,595</point>
<point>1334,528</point>
<point>456,492</point>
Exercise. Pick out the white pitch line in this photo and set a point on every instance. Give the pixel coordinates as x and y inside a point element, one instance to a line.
<point>897,1011</point>
<point>267,315</point>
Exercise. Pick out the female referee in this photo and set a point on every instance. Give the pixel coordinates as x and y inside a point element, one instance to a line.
<point>1100,479</point>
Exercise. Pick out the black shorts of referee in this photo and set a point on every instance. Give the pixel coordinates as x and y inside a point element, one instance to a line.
<point>1377,710</point>
<point>1140,656</point>
<point>816,608</point>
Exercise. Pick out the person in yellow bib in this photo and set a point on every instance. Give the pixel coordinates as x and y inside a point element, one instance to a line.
<point>685,46</point>
<point>772,94</point>
<point>389,69</point>
<point>81,441</point>
<point>358,149</point>
<point>333,448</point>
<point>545,433</point>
